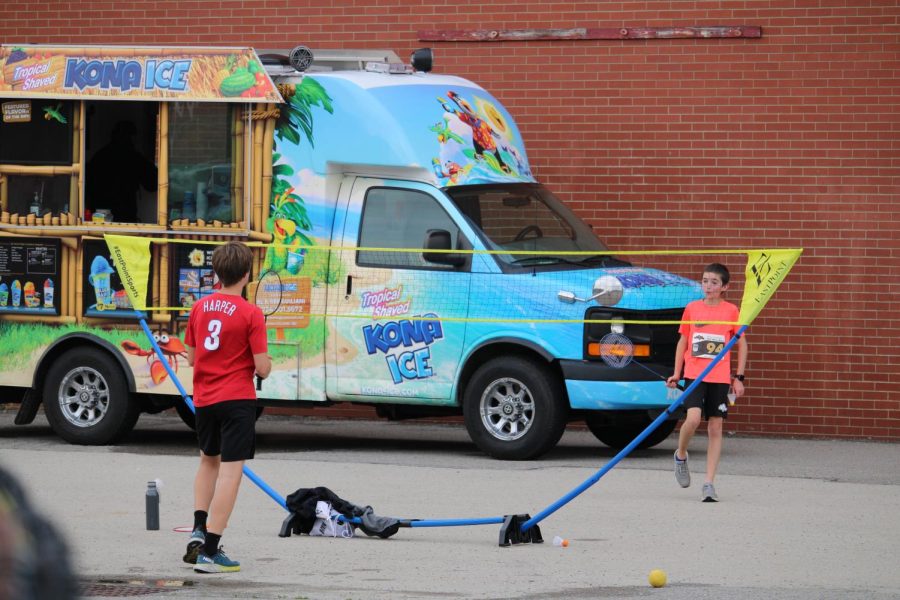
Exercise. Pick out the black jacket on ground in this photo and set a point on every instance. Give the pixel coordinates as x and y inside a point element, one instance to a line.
<point>302,505</point>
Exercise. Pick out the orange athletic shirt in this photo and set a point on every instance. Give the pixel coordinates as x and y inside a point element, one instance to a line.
<point>704,341</point>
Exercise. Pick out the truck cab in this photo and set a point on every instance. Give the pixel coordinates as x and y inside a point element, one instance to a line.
<point>454,271</point>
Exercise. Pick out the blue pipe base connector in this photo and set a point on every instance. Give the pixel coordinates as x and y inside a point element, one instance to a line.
<point>287,525</point>
<point>511,531</point>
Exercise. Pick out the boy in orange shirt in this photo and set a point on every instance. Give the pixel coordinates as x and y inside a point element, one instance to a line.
<point>699,343</point>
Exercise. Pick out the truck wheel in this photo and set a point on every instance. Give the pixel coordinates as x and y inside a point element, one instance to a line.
<point>86,398</point>
<point>617,436</point>
<point>514,408</point>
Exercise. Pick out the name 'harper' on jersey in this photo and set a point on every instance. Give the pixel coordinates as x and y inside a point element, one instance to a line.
<point>222,306</point>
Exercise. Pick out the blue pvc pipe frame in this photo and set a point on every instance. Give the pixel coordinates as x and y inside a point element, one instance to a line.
<point>489,520</point>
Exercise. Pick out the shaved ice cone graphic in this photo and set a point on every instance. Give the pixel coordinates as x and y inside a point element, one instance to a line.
<point>99,278</point>
<point>32,299</point>
<point>16,292</point>
<point>48,293</point>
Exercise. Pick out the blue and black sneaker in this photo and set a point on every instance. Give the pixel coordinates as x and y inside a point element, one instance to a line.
<point>218,563</point>
<point>198,538</point>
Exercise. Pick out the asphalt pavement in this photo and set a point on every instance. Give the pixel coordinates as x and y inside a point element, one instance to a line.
<point>798,519</point>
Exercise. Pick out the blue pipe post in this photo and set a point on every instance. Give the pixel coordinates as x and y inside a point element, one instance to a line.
<point>187,399</point>
<point>640,438</point>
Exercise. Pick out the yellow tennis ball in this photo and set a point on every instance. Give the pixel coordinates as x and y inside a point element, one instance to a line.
<point>657,578</point>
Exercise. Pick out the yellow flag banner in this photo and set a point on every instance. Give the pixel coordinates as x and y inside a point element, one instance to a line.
<point>766,269</point>
<point>131,256</point>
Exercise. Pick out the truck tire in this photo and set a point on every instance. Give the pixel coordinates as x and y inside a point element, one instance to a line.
<point>514,408</point>
<point>617,436</point>
<point>186,414</point>
<point>86,398</point>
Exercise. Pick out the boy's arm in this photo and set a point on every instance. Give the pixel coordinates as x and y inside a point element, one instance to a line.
<point>263,364</point>
<point>743,349</point>
<point>190,355</point>
<point>679,361</point>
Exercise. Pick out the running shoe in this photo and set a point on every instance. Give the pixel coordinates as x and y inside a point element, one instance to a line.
<point>709,493</point>
<point>217,563</point>
<point>682,473</point>
<point>198,538</point>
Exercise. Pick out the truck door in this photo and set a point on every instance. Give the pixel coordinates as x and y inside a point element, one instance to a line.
<point>390,344</point>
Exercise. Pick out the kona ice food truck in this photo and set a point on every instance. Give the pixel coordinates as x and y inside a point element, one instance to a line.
<point>420,267</point>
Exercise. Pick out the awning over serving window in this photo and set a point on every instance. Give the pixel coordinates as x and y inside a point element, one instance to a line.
<point>135,73</point>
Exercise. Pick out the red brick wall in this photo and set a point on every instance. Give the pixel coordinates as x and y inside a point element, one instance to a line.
<point>788,140</point>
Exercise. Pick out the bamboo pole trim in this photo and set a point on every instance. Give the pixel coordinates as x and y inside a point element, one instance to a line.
<point>257,114</point>
<point>40,170</point>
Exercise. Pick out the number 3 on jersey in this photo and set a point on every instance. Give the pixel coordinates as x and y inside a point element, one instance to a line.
<point>212,340</point>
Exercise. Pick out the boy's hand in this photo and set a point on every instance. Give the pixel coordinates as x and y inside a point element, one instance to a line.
<point>738,386</point>
<point>673,381</point>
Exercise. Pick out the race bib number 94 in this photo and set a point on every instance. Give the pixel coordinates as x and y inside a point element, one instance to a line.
<point>706,345</point>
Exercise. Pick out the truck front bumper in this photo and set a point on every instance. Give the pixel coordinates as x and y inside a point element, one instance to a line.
<point>597,386</point>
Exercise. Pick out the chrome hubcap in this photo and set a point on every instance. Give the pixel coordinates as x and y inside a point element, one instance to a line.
<point>507,409</point>
<point>83,397</point>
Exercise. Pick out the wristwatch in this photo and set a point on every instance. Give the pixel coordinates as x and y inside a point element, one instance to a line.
<point>739,378</point>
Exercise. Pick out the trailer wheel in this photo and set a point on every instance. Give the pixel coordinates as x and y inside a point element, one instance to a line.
<point>514,408</point>
<point>617,436</point>
<point>86,398</point>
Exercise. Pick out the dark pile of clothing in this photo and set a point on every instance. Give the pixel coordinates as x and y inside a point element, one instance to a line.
<point>302,505</point>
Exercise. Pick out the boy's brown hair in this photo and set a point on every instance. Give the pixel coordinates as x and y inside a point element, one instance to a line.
<point>720,270</point>
<point>231,262</point>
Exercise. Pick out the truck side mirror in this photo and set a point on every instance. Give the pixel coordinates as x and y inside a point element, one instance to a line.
<point>439,239</point>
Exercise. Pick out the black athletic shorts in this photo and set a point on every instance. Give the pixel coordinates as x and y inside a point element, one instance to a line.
<point>710,398</point>
<point>228,428</point>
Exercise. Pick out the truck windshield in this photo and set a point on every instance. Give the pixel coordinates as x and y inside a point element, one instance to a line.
<point>528,219</point>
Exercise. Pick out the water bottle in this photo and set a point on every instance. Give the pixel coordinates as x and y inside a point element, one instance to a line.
<point>35,207</point>
<point>152,498</point>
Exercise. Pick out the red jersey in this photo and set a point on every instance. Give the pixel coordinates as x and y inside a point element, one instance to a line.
<point>704,341</point>
<point>225,331</point>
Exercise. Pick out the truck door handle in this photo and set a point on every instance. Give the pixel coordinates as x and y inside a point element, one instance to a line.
<point>349,289</point>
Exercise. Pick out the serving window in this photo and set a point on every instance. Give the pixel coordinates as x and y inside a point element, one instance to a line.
<point>203,144</point>
<point>39,156</point>
<point>121,161</point>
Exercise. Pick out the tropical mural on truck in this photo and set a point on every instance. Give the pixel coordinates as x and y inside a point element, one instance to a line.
<point>289,220</point>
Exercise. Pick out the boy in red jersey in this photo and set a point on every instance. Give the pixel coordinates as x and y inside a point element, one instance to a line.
<point>699,343</point>
<point>227,346</point>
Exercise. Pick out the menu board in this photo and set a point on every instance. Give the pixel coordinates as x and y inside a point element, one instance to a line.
<point>193,276</point>
<point>29,275</point>
<point>104,293</point>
